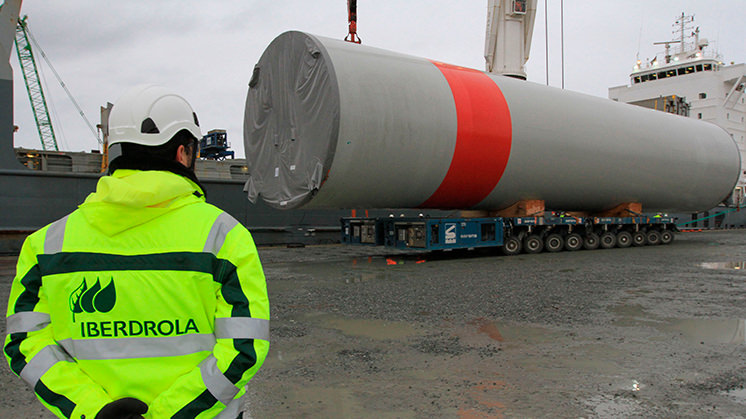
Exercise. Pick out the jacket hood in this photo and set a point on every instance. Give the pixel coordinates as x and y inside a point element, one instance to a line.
<point>128,198</point>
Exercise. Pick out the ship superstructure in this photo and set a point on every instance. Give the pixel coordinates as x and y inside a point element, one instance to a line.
<point>692,80</point>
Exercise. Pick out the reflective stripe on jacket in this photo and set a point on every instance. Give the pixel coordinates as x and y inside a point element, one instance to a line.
<point>145,291</point>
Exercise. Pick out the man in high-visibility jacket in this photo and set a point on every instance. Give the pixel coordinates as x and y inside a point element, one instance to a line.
<point>146,302</point>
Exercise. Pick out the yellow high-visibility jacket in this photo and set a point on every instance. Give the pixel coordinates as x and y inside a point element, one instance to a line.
<point>144,291</point>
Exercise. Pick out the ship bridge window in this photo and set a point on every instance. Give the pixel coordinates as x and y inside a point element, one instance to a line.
<point>637,79</point>
<point>703,95</point>
<point>699,67</point>
<point>662,75</point>
<point>708,67</point>
<point>670,73</point>
<point>681,70</point>
<point>690,69</point>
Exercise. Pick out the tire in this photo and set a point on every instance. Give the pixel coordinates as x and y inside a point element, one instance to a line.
<point>554,243</point>
<point>591,241</point>
<point>639,239</point>
<point>607,240</point>
<point>623,239</point>
<point>512,246</point>
<point>573,242</point>
<point>667,237</point>
<point>533,244</point>
<point>654,238</point>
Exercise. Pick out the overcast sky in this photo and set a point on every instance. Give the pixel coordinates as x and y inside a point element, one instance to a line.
<point>206,50</point>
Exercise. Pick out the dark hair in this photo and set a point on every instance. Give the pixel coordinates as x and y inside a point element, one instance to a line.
<point>165,151</point>
<point>162,157</point>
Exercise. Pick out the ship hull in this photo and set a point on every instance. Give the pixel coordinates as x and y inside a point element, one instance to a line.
<point>35,198</point>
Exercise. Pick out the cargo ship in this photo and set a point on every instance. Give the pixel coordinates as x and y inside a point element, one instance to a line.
<point>42,186</point>
<point>689,78</point>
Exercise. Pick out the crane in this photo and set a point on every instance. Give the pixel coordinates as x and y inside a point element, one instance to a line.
<point>34,87</point>
<point>510,24</point>
<point>35,90</point>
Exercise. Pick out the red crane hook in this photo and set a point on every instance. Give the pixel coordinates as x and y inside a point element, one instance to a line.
<point>352,19</point>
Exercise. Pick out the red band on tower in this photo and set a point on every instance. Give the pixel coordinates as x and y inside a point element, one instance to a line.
<point>483,139</point>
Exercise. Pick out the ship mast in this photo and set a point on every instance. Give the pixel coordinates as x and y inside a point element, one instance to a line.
<point>683,22</point>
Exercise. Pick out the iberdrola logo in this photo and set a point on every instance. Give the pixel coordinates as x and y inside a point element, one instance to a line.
<point>94,299</point>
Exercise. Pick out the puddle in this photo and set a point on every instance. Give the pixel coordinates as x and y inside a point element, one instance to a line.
<point>709,331</point>
<point>483,331</point>
<point>389,260</point>
<point>347,270</point>
<point>697,331</point>
<point>488,328</point>
<point>737,266</point>
<point>373,329</point>
<point>738,394</point>
<point>633,315</point>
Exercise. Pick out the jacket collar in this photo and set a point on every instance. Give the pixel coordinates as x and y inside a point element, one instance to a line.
<point>128,198</point>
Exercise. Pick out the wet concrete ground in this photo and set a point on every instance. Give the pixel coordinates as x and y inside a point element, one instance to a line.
<point>363,332</point>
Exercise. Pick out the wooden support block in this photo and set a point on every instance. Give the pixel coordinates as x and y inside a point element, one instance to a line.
<point>474,214</point>
<point>627,209</point>
<point>527,208</point>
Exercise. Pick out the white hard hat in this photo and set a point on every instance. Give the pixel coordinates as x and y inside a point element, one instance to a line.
<point>150,115</point>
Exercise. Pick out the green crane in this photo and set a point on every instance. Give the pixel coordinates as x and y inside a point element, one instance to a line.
<point>33,87</point>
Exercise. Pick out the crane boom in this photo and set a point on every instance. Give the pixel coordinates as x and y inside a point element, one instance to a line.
<point>510,25</point>
<point>34,87</point>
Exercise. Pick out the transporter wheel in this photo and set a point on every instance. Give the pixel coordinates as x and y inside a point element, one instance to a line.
<point>573,242</point>
<point>623,239</point>
<point>591,241</point>
<point>512,246</point>
<point>654,237</point>
<point>533,244</point>
<point>639,239</point>
<point>607,240</point>
<point>667,237</point>
<point>554,243</point>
